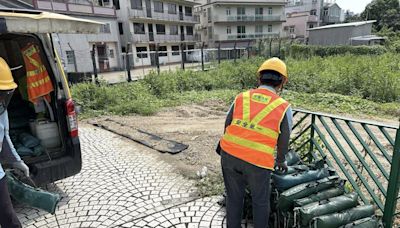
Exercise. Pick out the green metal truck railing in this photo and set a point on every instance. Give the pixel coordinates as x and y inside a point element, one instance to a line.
<point>365,153</point>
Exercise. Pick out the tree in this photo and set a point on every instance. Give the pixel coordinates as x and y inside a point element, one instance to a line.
<point>351,17</point>
<point>386,12</point>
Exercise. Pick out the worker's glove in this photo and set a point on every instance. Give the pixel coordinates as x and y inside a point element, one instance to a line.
<point>20,165</point>
<point>281,166</point>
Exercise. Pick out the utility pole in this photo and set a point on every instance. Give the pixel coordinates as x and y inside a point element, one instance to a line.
<point>94,63</point>
<point>202,56</point>
<point>128,65</point>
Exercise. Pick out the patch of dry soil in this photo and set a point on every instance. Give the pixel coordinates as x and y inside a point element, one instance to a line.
<point>199,126</point>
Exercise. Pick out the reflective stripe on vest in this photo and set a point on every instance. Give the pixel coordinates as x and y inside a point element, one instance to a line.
<point>250,144</point>
<point>254,131</point>
<point>36,72</point>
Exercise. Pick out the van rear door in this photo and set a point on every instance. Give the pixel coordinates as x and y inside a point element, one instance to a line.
<point>35,26</point>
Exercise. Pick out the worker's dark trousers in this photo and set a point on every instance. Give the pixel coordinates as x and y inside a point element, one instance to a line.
<point>8,218</point>
<point>237,175</point>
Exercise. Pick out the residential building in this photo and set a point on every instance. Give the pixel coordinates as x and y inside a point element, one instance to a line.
<point>332,14</point>
<point>340,34</point>
<point>302,15</point>
<point>231,23</point>
<point>76,49</point>
<point>165,25</point>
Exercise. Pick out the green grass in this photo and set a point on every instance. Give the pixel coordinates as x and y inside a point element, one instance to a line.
<point>358,85</point>
<point>132,98</point>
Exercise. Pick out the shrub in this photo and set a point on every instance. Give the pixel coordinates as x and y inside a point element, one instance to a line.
<point>307,51</point>
<point>373,77</point>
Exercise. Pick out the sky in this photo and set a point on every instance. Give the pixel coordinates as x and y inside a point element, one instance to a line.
<point>357,6</point>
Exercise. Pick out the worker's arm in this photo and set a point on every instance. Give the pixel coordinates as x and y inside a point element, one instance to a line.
<point>229,116</point>
<point>8,153</point>
<point>284,137</point>
<point>228,122</point>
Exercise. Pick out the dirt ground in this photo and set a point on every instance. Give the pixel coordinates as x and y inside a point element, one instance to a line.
<point>199,126</point>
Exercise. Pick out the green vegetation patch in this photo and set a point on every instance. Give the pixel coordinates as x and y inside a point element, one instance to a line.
<point>370,85</point>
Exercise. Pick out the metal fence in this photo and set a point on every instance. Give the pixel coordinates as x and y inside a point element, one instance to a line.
<point>367,154</point>
<point>194,57</point>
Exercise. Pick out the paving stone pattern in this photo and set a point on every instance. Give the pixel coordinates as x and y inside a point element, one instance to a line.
<point>124,185</point>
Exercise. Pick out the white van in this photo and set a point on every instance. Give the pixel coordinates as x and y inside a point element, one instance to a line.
<point>53,123</point>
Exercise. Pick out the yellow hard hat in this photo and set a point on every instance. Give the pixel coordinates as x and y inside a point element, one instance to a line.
<point>6,78</point>
<point>274,64</point>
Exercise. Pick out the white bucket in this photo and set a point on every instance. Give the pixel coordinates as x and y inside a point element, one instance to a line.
<point>47,133</point>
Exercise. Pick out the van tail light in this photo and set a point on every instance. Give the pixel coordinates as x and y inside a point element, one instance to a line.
<point>71,118</point>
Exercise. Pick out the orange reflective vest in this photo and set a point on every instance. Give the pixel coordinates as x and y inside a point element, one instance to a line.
<point>37,78</point>
<point>255,128</point>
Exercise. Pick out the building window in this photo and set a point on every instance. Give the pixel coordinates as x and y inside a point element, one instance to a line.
<point>269,28</point>
<point>162,51</point>
<point>209,14</point>
<point>158,7</point>
<point>228,11</point>
<point>116,4</point>
<point>259,29</point>
<point>173,30</point>
<point>160,29</point>
<point>175,50</point>
<point>141,52</point>
<point>105,28</point>
<point>120,28</point>
<point>259,11</point>
<point>270,10</point>
<point>241,11</point>
<point>171,8</point>
<point>228,30</point>
<point>138,28</point>
<point>189,30</point>
<point>326,12</point>
<point>188,11</point>
<point>111,53</point>
<point>291,29</point>
<point>313,12</point>
<point>210,32</point>
<point>136,4</point>
<point>241,31</point>
<point>190,47</point>
<point>70,57</point>
<point>311,26</point>
<point>103,3</point>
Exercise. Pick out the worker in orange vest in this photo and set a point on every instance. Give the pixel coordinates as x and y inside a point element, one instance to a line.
<point>258,122</point>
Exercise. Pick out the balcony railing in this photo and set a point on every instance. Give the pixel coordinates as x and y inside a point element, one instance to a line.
<point>164,16</point>
<point>249,18</point>
<point>74,8</point>
<point>159,38</point>
<point>247,36</point>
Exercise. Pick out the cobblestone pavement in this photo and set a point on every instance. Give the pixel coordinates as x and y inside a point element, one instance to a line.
<point>123,184</point>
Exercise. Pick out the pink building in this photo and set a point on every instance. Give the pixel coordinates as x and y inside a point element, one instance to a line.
<point>302,15</point>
